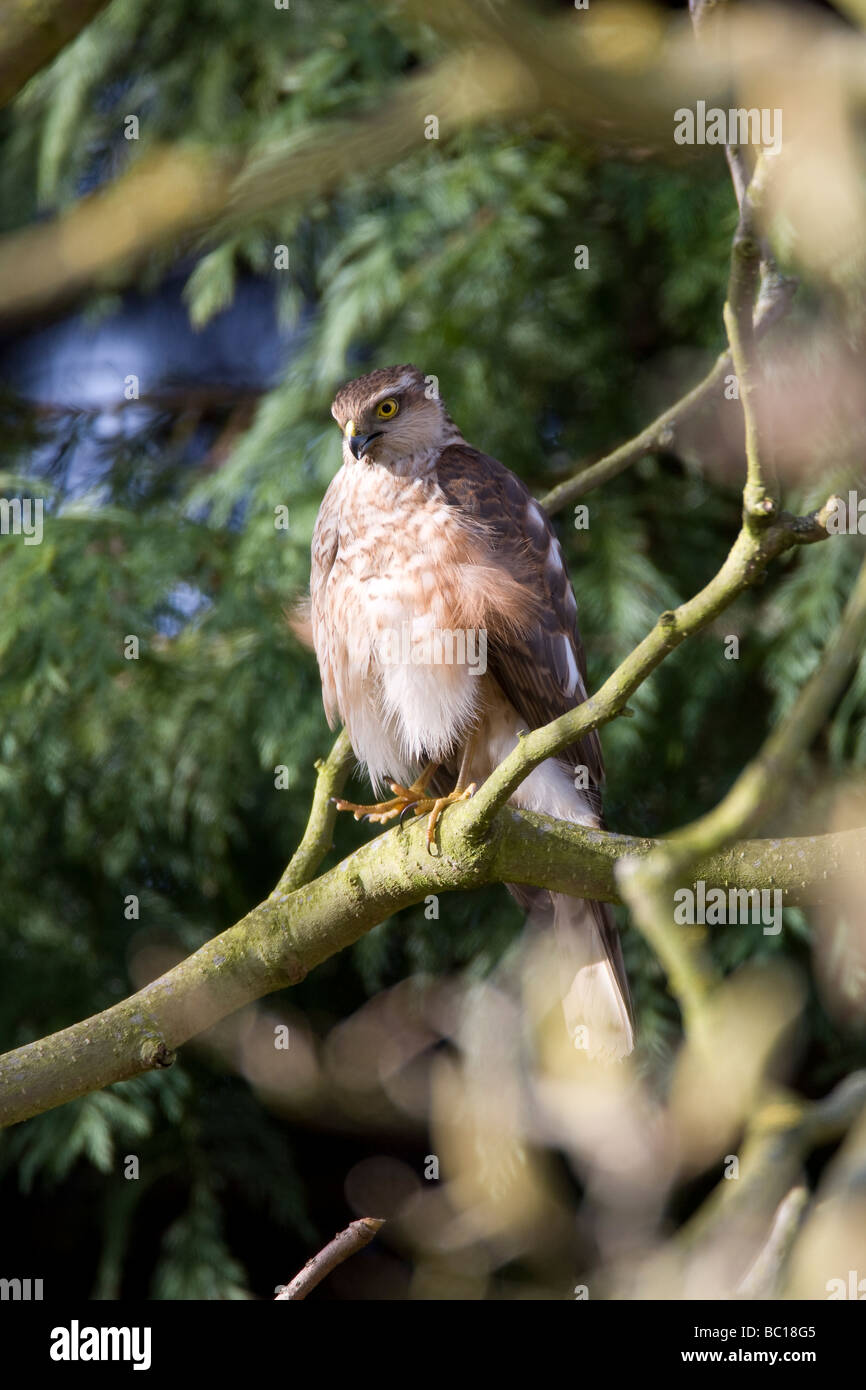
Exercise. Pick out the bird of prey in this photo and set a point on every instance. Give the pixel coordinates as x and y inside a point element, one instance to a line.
<point>444,624</point>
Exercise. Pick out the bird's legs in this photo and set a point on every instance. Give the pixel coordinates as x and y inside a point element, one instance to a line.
<point>414,798</point>
<point>404,799</point>
<point>461,792</point>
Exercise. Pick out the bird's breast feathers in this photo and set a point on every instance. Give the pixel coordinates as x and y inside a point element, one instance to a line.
<point>407,592</point>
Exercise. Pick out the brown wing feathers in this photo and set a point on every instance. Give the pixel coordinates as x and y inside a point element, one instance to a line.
<point>535,666</point>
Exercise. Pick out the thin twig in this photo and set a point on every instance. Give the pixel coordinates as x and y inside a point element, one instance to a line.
<point>759,495</point>
<point>344,1244</point>
<point>754,274</point>
<point>739,171</point>
<point>748,558</point>
<point>661,433</point>
<point>773,299</point>
<point>319,833</point>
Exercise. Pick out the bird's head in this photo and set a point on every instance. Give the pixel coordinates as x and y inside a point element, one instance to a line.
<point>392,417</point>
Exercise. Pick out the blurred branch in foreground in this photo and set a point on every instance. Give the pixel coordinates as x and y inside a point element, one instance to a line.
<point>507,63</point>
<point>32,32</point>
<point>741,1240</point>
<point>648,886</point>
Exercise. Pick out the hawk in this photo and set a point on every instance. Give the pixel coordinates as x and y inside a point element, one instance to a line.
<point>444,624</point>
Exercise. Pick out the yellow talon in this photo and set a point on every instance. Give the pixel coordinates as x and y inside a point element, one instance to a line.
<point>410,798</point>
<point>437,806</point>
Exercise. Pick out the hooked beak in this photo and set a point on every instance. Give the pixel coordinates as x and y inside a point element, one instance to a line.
<point>359,443</point>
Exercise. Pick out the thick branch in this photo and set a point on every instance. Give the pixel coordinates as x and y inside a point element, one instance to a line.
<point>547,853</point>
<point>277,943</point>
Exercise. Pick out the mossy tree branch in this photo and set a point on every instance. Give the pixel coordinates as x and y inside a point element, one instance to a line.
<point>278,942</point>
<point>319,833</point>
<point>760,493</point>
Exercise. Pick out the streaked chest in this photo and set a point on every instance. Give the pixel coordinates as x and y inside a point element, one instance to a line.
<point>393,556</point>
<point>397,545</point>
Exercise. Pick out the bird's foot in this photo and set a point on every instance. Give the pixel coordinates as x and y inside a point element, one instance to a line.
<point>404,799</point>
<point>414,799</point>
<point>435,805</point>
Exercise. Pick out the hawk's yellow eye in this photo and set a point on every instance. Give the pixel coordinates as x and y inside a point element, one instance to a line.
<point>387,409</point>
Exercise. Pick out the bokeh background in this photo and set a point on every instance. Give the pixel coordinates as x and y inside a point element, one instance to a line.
<point>156,777</point>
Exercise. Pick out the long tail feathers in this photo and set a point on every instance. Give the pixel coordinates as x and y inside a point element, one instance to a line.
<point>596,1004</point>
<point>595,994</point>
